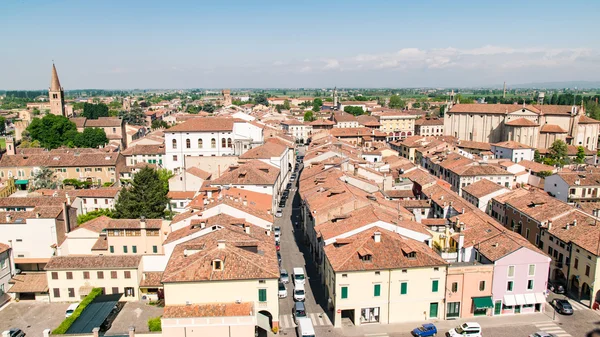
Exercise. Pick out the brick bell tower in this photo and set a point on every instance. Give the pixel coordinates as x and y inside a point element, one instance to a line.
<point>57,95</point>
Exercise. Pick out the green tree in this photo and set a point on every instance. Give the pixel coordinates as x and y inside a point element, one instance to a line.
<point>208,107</point>
<point>309,116</point>
<point>537,157</point>
<point>164,175</point>
<point>462,99</point>
<point>115,104</point>
<point>133,117</point>
<point>2,125</point>
<point>83,218</point>
<point>354,110</point>
<point>442,110</point>
<point>90,137</point>
<point>147,196</point>
<point>278,107</point>
<point>44,178</point>
<point>93,111</point>
<point>261,99</point>
<point>396,102</point>
<point>286,104</point>
<point>580,158</point>
<point>317,103</point>
<point>52,131</point>
<point>558,152</point>
<point>159,123</point>
<point>30,143</point>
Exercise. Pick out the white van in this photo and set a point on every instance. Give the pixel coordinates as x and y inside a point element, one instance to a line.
<point>299,277</point>
<point>71,309</point>
<point>299,294</point>
<point>470,329</point>
<point>305,327</point>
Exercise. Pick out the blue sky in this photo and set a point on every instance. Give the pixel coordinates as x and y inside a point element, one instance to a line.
<point>189,44</point>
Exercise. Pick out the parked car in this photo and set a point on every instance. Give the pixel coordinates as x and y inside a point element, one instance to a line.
<point>279,213</point>
<point>277,230</point>
<point>299,311</point>
<point>279,258</point>
<point>277,238</point>
<point>277,246</point>
<point>71,309</point>
<point>14,332</point>
<point>288,186</point>
<point>471,329</point>
<point>299,294</point>
<point>542,334</point>
<point>282,204</point>
<point>282,291</point>
<point>425,330</point>
<point>284,276</point>
<point>563,307</point>
<point>556,287</point>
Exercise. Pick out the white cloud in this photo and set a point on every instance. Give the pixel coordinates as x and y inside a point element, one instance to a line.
<point>332,64</point>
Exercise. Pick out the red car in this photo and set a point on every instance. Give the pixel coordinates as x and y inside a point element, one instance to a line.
<point>277,247</point>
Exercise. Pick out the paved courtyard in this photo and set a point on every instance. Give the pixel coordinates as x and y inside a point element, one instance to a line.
<point>32,317</point>
<point>134,314</point>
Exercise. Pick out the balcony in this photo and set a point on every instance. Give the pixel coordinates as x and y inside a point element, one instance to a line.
<point>449,254</point>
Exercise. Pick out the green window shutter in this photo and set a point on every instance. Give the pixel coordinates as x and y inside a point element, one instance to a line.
<point>377,290</point>
<point>262,295</point>
<point>434,286</point>
<point>112,249</point>
<point>344,292</point>
<point>124,249</point>
<point>154,249</point>
<point>134,249</point>
<point>403,288</point>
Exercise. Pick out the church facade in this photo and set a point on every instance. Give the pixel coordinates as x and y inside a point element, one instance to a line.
<point>534,125</point>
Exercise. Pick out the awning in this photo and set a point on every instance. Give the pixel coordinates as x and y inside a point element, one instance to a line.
<point>483,302</point>
<point>509,300</point>
<point>540,298</point>
<point>520,298</point>
<point>530,298</point>
<point>21,182</point>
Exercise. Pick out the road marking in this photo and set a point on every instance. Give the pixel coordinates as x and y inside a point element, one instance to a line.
<point>551,327</point>
<point>287,321</point>
<point>376,334</point>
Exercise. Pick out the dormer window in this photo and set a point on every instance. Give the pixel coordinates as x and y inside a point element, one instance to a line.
<point>411,255</point>
<point>217,265</point>
<point>366,258</point>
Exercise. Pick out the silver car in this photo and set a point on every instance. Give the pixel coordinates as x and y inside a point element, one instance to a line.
<point>542,334</point>
<point>284,276</point>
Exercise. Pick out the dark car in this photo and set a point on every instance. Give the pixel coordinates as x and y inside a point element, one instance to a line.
<point>562,306</point>
<point>16,333</point>
<point>279,258</point>
<point>556,287</point>
<point>425,330</point>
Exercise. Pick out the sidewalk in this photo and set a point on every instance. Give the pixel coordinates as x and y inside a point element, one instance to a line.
<point>445,325</point>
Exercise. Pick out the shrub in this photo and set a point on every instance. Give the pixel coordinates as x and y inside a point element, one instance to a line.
<point>66,324</point>
<point>154,324</point>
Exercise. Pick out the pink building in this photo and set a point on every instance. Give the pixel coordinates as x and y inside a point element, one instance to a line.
<point>469,290</point>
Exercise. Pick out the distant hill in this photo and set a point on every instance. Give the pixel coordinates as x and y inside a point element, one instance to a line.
<point>559,85</point>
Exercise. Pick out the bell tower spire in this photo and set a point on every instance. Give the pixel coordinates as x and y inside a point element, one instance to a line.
<point>56,94</point>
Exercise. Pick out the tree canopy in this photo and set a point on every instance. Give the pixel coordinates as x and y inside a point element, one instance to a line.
<point>261,99</point>
<point>93,111</point>
<point>54,131</point>
<point>396,102</point>
<point>309,116</point>
<point>355,110</point>
<point>133,117</point>
<point>90,137</point>
<point>557,154</point>
<point>44,178</point>
<point>159,123</point>
<point>147,196</point>
<point>317,103</point>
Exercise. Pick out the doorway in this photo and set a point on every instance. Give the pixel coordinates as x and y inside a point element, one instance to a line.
<point>517,309</point>
<point>348,317</point>
<point>433,310</point>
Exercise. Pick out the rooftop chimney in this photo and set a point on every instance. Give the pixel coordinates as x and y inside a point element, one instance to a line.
<point>143,222</point>
<point>549,225</point>
<point>8,218</point>
<point>203,223</point>
<point>377,236</point>
<point>221,244</point>
<point>574,222</point>
<point>247,229</point>
<point>68,198</point>
<point>461,244</point>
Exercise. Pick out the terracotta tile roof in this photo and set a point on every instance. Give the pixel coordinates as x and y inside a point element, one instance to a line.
<point>70,159</point>
<point>367,120</point>
<point>32,201</point>
<point>399,193</point>
<point>343,117</point>
<point>74,262</point>
<point>79,121</point>
<point>101,243</point>
<point>468,144</point>
<point>536,167</point>
<point>104,122</point>
<point>552,128</point>
<point>322,122</point>
<point>243,258</point>
<point>142,149</point>
<point>265,151</point>
<point>390,253</point>
<point>204,124</point>
<point>539,205</point>
<point>522,122</point>
<point>583,230</point>
<point>513,145</point>
<point>254,172</point>
<point>249,208</point>
<point>480,170</point>
<point>3,248</point>
<point>102,192</point>
<point>434,222</point>
<point>356,132</point>
<point>503,244</point>
<point>583,179</point>
<point>419,176</point>
<point>222,220</point>
<point>510,195</point>
<point>209,310</point>
<point>490,108</point>
<point>96,225</point>
<point>588,120</point>
<point>396,113</point>
<point>588,207</point>
<point>429,121</point>
<point>29,283</point>
<point>179,195</point>
<point>482,188</point>
<point>564,110</point>
<point>292,122</point>
<point>151,279</point>
<point>44,212</point>
<point>478,227</point>
<point>185,215</point>
<point>414,203</point>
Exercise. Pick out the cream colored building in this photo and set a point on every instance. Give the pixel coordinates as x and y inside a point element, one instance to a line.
<point>379,276</point>
<point>70,278</point>
<point>397,124</point>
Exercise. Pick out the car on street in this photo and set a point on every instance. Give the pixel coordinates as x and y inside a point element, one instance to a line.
<point>284,276</point>
<point>279,213</point>
<point>279,258</point>
<point>14,332</point>
<point>299,277</point>
<point>277,230</point>
<point>471,329</point>
<point>542,334</point>
<point>282,290</point>
<point>425,330</point>
<point>282,204</point>
<point>277,238</point>
<point>299,311</point>
<point>293,177</point>
<point>277,246</point>
<point>299,294</point>
<point>563,307</point>
<point>556,287</point>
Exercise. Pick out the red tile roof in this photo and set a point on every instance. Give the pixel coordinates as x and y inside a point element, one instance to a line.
<point>204,124</point>
<point>522,122</point>
<point>209,310</point>
<point>552,128</point>
<point>94,262</point>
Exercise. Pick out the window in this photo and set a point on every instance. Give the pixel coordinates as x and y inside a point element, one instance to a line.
<point>200,145</point>
<point>529,284</point>
<point>100,275</point>
<point>188,143</point>
<point>217,265</point>
<point>124,249</point>
<point>115,290</point>
<point>481,285</point>
<point>223,142</point>
<point>129,292</point>
<point>174,158</point>
<point>86,275</point>
<point>262,295</point>
<point>434,286</point>
<point>377,290</point>
<point>113,274</point>
<point>229,143</point>
<point>531,269</point>
<point>453,310</point>
<point>509,286</point>
<point>511,271</point>
<point>69,275</point>
<point>111,249</point>
<point>576,263</point>
<point>71,292</point>
<point>454,287</point>
<point>134,249</point>
<point>154,249</point>
<point>54,275</point>
<point>587,270</point>
<point>174,142</point>
<point>403,288</point>
<point>213,143</point>
<point>344,292</point>
<point>56,292</point>
<point>127,274</point>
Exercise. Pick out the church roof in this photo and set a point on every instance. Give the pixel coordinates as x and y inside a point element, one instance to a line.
<point>54,82</point>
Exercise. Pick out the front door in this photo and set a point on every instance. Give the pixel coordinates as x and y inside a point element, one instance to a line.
<point>517,309</point>
<point>498,308</point>
<point>433,310</point>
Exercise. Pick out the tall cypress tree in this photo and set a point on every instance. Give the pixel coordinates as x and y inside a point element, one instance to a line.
<point>146,197</point>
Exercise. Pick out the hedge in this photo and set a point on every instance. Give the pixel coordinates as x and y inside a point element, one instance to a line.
<point>154,324</point>
<point>66,324</point>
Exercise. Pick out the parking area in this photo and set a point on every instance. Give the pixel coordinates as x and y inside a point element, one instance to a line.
<point>134,314</point>
<point>32,317</point>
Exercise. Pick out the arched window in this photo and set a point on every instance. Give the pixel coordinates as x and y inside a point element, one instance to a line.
<point>188,144</point>
<point>229,143</point>
<point>213,143</point>
<point>223,143</point>
<point>200,144</point>
<point>174,144</point>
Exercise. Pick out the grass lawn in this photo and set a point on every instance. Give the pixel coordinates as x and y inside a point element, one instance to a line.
<point>2,143</point>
